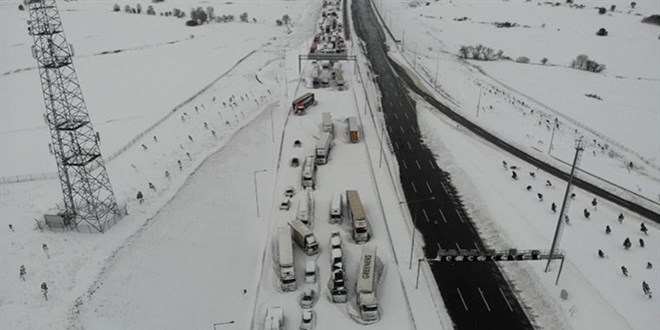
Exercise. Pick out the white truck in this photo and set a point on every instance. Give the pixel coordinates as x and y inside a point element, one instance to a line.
<point>274,319</point>
<point>287,269</point>
<point>335,208</point>
<point>304,237</point>
<point>306,208</point>
<point>339,77</point>
<point>309,172</point>
<point>322,149</point>
<point>326,123</point>
<point>357,216</point>
<point>367,284</point>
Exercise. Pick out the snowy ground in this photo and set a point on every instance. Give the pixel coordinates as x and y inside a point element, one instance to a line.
<point>520,102</point>
<point>599,295</point>
<point>160,64</point>
<point>173,261</point>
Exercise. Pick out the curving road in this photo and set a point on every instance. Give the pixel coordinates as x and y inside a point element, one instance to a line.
<point>476,294</point>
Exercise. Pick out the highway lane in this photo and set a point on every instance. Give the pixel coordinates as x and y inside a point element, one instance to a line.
<point>476,294</point>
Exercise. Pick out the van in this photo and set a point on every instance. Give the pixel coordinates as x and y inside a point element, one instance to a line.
<point>310,271</point>
<point>335,208</point>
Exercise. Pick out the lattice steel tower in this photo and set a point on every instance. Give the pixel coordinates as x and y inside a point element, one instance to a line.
<point>88,196</point>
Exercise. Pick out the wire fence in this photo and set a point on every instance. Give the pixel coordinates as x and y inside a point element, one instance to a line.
<point>134,140</point>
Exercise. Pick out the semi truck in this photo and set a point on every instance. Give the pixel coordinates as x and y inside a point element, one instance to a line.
<point>306,207</point>
<point>335,208</point>
<point>304,237</point>
<point>309,172</point>
<point>326,123</point>
<point>353,130</point>
<point>339,77</point>
<point>322,150</point>
<point>301,104</point>
<point>366,285</point>
<point>357,216</point>
<point>287,269</point>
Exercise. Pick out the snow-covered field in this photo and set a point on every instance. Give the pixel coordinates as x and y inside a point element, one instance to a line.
<point>520,102</point>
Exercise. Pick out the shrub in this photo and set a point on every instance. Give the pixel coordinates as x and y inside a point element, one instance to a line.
<point>653,19</point>
<point>244,17</point>
<point>612,8</point>
<point>279,22</point>
<point>479,53</point>
<point>150,10</point>
<point>633,4</point>
<point>116,8</point>
<point>127,9</point>
<point>601,32</point>
<point>594,96</point>
<point>505,24</point>
<point>286,19</point>
<point>544,61</point>
<point>191,22</point>
<point>176,12</point>
<point>602,10</point>
<point>156,1</point>
<point>522,59</point>
<point>582,62</point>
<point>198,15</point>
<point>138,8</point>
<point>133,11</point>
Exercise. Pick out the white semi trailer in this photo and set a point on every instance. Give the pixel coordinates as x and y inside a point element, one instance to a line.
<point>326,123</point>
<point>309,172</point>
<point>358,217</point>
<point>306,207</point>
<point>287,269</point>
<point>366,285</point>
<point>322,150</point>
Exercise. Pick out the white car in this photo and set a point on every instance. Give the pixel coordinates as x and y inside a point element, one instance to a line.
<point>335,239</point>
<point>307,299</point>
<point>310,271</point>
<point>307,320</point>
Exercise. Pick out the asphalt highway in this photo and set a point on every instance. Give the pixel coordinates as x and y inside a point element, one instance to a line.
<point>476,294</point>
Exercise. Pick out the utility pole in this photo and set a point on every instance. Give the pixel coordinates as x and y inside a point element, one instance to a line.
<point>437,64</point>
<point>555,240</point>
<point>256,194</point>
<point>552,137</point>
<point>415,59</point>
<point>272,125</point>
<point>479,102</point>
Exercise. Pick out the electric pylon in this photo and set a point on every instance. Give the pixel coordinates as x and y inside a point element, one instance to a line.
<point>86,189</point>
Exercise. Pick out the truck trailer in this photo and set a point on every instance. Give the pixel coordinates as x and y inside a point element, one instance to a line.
<point>309,172</point>
<point>357,216</point>
<point>306,208</point>
<point>353,130</point>
<point>301,104</point>
<point>304,237</point>
<point>287,269</point>
<point>367,284</point>
<point>326,123</point>
<point>322,150</point>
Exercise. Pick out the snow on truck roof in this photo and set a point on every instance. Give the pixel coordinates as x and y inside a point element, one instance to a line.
<point>300,227</point>
<point>365,281</point>
<point>355,204</point>
<point>285,246</point>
